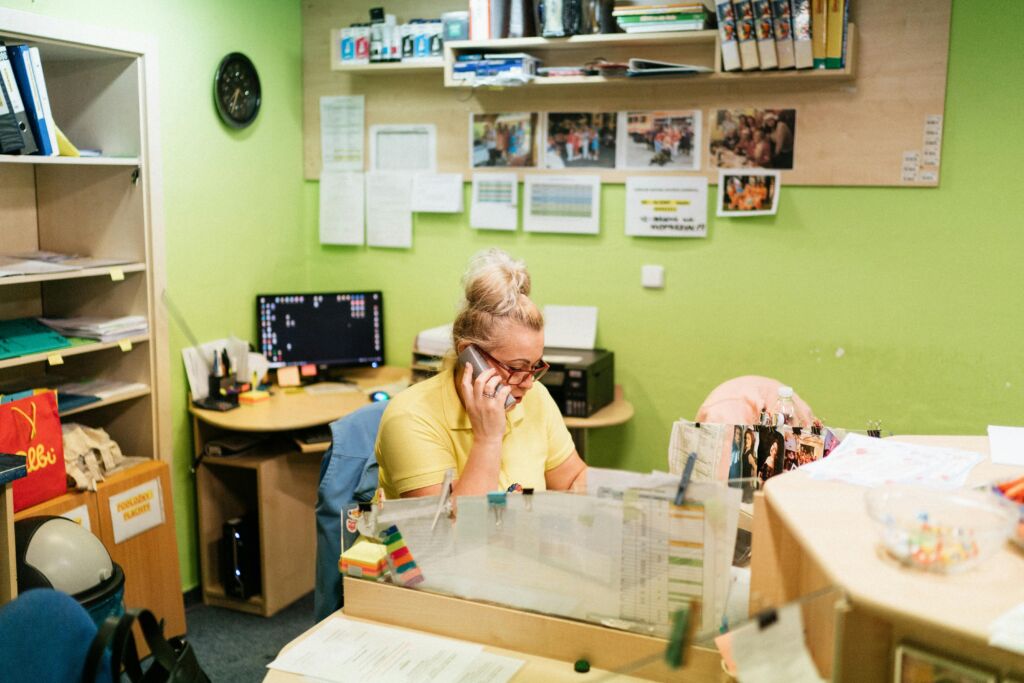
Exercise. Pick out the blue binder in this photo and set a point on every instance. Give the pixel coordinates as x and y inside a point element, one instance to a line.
<point>23,73</point>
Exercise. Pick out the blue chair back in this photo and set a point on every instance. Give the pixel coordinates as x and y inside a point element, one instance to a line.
<point>348,476</point>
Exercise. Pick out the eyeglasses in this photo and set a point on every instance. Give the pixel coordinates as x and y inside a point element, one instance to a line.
<point>517,376</point>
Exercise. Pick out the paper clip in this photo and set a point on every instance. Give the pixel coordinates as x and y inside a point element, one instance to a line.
<point>444,504</point>
<point>684,482</point>
<point>496,501</point>
<point>528,498</point>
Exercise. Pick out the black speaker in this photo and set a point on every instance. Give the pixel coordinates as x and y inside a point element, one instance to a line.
<point>240,557</point>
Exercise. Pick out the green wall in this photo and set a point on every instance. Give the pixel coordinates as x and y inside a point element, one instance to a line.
<point>921,288</point>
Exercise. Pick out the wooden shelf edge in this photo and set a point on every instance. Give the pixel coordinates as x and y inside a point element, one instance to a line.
<point>127,396</point>
<point>73,274</point>
<point>71,351</point>
<point>69,161</point>
<point>584,41</point>
<point>385,68</point>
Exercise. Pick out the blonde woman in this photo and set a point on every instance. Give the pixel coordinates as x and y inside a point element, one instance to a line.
<point>452,421</point>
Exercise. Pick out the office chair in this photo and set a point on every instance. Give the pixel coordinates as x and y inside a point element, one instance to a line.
<point>348,475</point>
<point>46,637</point>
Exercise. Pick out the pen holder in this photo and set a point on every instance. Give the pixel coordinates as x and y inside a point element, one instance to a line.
<point>221,388</point>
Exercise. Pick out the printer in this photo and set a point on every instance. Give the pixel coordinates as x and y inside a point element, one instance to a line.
<point>582,381</point>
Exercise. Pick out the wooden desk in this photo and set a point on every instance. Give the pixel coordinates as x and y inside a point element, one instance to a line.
<point>809,534</point>
<point>277,482</point>
<point>549,645</point>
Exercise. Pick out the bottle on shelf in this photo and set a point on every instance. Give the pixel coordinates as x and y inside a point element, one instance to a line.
<point>785,409</point>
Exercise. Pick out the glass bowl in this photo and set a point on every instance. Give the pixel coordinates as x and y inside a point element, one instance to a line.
<point>940,531</point>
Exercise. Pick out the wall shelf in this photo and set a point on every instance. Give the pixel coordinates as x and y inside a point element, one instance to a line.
<point>126,396</point>
<point>68,161</point>
<point>73,274</point>
<point>71,351</point>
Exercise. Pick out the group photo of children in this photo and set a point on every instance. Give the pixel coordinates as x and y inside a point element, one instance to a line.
<point>753,138</point>
<point>503,139</point>
<point>661,139</point>
<point>580,140</point>
<point>748,194</point>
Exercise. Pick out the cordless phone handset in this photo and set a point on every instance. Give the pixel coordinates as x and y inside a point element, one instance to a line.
<point>472,355</point>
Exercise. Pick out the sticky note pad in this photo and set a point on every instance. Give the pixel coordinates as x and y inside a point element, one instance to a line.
<point>55,359</point>
<point>309,370</point>
<point>126,345</point>
<point>116,274</point>
<point>288,376</point>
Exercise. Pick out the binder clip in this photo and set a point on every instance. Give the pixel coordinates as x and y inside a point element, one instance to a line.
<point>766,618</point>
<point>528,498</point>
<point>497,502</point>
<point>875,428</point>
<point>684,482</point>
<point>445,503</point>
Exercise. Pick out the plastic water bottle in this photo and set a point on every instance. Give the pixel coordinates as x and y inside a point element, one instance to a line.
<point>785,409</point>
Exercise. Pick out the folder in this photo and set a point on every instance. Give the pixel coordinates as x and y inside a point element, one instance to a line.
<point>745,34</point>
<point>7,76</point>
<point>819,31</point>
<point>764,29</point>
<point>835,44</point>
<point>44,99</point>
<point>783,15</point>
<point>802,50</point>
<point>21,63</point>
<point>10,136</point>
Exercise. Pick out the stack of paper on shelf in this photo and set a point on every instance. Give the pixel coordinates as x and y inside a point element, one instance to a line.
<point>437,341</point>
<point>100,328</point>
<point>44,262</point>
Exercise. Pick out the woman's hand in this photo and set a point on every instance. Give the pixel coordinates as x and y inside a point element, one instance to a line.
<point>485,403</point>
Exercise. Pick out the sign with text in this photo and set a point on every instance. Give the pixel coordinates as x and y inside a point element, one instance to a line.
<point>136,510</point>
<point>667,206</point>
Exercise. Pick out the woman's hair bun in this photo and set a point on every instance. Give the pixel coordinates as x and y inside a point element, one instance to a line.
<point>494,281</point>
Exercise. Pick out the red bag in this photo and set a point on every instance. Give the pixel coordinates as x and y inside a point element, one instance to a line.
<point>31,427</point>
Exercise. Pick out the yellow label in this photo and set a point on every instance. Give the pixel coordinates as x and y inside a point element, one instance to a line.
<point>116,274</point>
<point>55,359</point>
<point>125,345</point>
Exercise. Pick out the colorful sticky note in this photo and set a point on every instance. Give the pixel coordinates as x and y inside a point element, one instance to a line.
<point>126,345</point>
<point>55,359</point>
<point>116,274</point>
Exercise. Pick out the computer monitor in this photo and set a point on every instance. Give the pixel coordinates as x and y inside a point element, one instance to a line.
<point>338,329</point>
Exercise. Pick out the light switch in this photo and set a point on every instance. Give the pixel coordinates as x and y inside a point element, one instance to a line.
<point>652,277</point>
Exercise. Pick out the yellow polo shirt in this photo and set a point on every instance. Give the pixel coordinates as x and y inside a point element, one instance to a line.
<point>426,431</point>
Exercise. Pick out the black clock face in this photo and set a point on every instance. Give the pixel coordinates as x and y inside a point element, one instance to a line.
<point>236,90</point>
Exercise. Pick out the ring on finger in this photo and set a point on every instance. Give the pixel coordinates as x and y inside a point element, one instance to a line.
<point>486,395</point>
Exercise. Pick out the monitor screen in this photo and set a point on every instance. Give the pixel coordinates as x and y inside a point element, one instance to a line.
<point>339,329</point>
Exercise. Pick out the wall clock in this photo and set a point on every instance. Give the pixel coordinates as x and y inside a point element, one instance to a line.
<point>236,90</point>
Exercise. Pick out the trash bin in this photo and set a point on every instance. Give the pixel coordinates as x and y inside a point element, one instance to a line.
<point>55,552</point>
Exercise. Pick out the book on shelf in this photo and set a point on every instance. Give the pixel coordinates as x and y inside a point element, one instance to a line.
<point>628,9</point>
<point>630,19</point>
<point>665,27</point>
<point>803,51</point>
<point>9,84</point>
<point>835,42</point>
<point>819,32</point>
<point>764,29</point>
<point>727,36</point>
<point>782,13</point>
<point>10,134</point>
<point>745,35</point>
